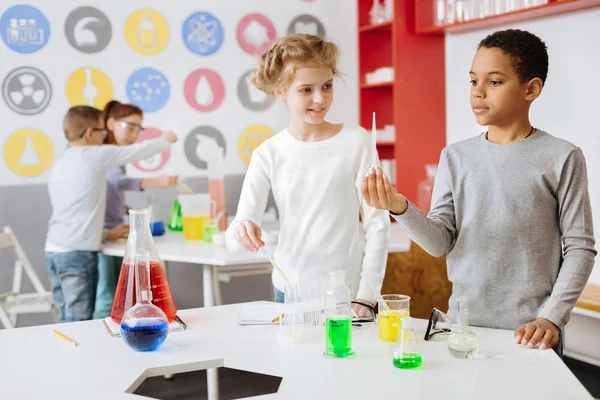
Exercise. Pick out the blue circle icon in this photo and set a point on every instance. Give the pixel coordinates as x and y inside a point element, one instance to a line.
<point>202,33</point>
<point>148,89</point>
<point>24,29</point>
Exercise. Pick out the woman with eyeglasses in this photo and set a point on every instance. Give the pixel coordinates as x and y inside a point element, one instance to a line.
<point>124,125</point>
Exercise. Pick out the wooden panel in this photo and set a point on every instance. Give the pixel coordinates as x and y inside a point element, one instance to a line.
<point>590,298</point>
<point>422,277</point>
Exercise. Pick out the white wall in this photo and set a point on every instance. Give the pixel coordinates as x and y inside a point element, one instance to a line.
<point>58,59</point>
<point>569,105</point>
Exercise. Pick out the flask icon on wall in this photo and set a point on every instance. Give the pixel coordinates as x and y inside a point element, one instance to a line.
<point>29,155</point>
<point>146,33</point>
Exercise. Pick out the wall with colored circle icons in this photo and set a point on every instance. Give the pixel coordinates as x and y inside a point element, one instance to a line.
<point>204,90</point>
<point>147,32</point>
<point>28,152</point>
<point>88,29</point>
<point>148,88</point>
<point>188,66</point>
<point>156,162</point>
<point>252,137</point>
<point>255,34</point>
<point>24,29</point>
<point>203,33</point>
<point>89,86</point>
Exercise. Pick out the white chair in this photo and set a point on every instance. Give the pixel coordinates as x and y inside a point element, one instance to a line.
<point>14,302</point>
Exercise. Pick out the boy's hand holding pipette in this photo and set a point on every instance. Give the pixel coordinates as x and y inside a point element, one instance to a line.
<point>540,333</point>
<point>248,235</point>
<point>379,193</point>
<point>169,136</point>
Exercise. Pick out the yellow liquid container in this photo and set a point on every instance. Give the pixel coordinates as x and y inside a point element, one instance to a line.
<point>193,226</point>
<point>389,322</point>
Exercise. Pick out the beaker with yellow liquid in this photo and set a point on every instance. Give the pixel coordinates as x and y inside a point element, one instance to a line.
<point>197,211</point>
<point>392,307</point>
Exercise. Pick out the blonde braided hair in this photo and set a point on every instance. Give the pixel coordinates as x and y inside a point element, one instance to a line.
<point>278,65</point>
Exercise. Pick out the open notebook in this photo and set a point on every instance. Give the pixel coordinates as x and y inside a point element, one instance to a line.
<point>260,313</point>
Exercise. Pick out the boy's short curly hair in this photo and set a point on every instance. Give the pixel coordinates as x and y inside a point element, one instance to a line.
<point>528,53</point>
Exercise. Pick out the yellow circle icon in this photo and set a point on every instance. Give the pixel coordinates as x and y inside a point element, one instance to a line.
<point>28,152</point>
<point>250,139</point>
<point>89,86</point>
<point>147,32</point>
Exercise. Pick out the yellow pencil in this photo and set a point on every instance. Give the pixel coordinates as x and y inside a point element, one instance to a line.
<point>277,318</point>
<point>65,337</point>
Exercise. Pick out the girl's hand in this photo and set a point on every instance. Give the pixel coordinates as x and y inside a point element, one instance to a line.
<point>248,234</point>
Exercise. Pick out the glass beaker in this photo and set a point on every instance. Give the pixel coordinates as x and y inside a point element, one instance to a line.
<point>392,307</point>
<point>406,353</point>
<point>196,211</point>
<point>338,317</point>
<point>175,222</point>
<point>139,241</point>
<point>144,327</point>
<point>303,318</point>
<point>462,342</point>
<point>157,227</point>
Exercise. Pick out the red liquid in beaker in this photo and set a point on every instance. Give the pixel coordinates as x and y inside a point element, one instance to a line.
<point>161,293</point>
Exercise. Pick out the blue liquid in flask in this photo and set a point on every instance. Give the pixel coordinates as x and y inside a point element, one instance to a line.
<point>157,228</point>
<point>146,335</point>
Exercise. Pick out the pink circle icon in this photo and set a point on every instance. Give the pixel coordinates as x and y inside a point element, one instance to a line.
<point>204,90</point>
<point>157,161</point>
<point>255,34</point>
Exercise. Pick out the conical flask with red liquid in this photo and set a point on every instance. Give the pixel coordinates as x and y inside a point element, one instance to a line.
<point>140,241</point>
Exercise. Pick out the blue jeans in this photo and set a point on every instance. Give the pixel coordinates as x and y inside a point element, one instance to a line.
<point>558,348</point>
<point>279,295</point>
<point>73,279</point>
<point>109,268</point>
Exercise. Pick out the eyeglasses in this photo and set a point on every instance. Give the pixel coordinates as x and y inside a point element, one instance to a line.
<point>131,126</point>
<point>439,324</point>
<point>103,131</point>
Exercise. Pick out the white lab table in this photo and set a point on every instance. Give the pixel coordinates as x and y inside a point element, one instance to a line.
<point>36,364</point>
<point>217,260</point>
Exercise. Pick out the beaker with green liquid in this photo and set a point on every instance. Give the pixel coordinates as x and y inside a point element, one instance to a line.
<point>338,317</point>
<point>406,353</point>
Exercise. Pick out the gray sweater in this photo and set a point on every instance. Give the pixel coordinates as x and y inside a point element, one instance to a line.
<point>516,223</point>
<point>77,187</point>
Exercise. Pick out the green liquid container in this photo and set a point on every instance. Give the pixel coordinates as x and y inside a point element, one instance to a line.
<point>338,333</point>
<point>175,218</point>
<point>406,353</point>
<point>408,361</point>
<point>338,317</point>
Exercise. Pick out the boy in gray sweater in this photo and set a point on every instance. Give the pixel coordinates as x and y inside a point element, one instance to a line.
<point>77,187</point>
<point>510,207</point>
